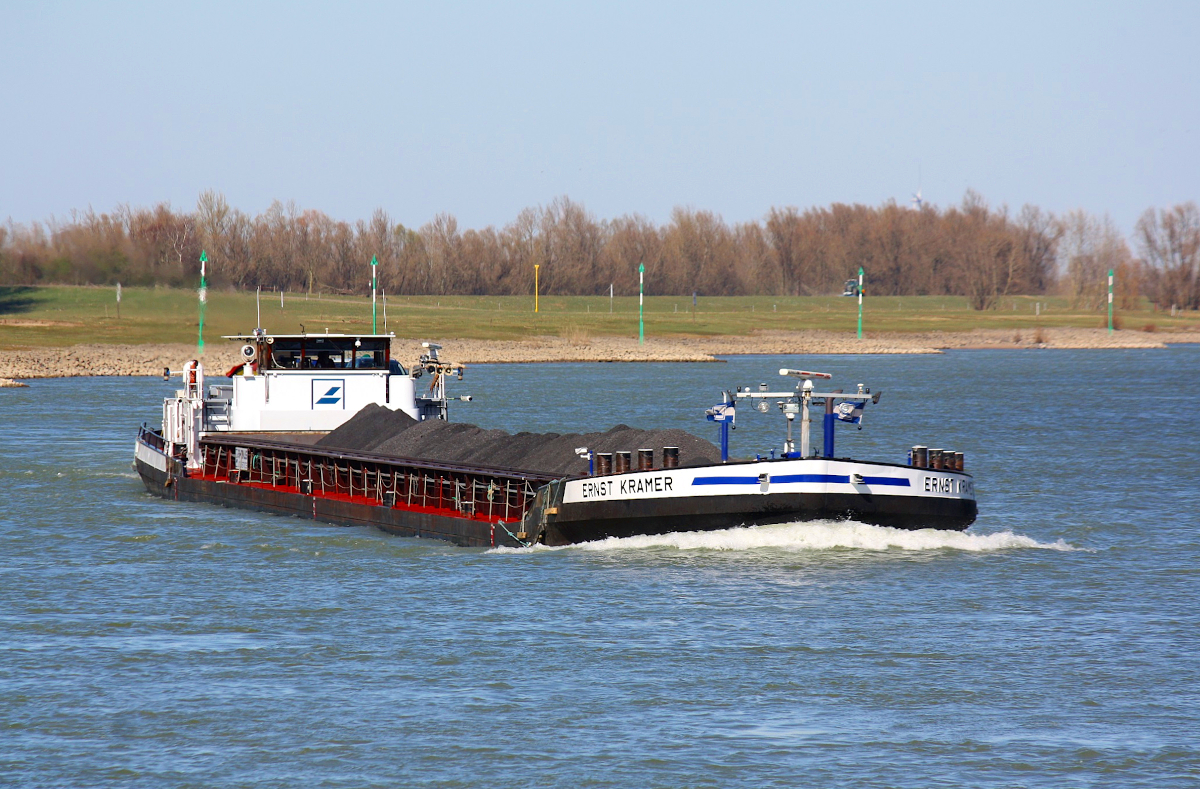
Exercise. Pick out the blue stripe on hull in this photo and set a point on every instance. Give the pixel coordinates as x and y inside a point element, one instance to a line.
<point>900,482</point>
<point>836,479</point>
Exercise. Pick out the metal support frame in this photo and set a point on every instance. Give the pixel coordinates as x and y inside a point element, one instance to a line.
<point>805,420</point>
<point>800,400</point>
<point>392,483</point>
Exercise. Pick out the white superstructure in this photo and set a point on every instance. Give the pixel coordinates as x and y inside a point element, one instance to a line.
<point>303,383</point>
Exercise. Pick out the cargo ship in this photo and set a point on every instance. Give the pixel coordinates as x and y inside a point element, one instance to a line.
<point>251,441</point>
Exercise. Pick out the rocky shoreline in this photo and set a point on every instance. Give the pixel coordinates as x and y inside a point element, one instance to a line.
<point>91,360</point>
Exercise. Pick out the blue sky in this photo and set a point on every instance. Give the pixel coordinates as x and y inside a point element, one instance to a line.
<point>481,110</point>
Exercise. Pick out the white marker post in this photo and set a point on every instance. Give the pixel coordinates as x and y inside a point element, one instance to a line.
<point>860,294</point>
<point>1110,300</point>
<point>203,296</point>
<point>374,263</point>
<point>641,303</point>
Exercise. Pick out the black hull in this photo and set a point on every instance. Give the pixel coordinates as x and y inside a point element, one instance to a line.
<point>586,522</point>
<point>566,524</point>
<point>465,532</point>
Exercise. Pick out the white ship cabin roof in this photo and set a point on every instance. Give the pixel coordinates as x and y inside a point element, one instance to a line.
<point>254,338</point>
<point>315,352</point>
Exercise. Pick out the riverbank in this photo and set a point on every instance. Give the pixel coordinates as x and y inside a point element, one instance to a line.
<point>151,359</point>
<point>62,317</point>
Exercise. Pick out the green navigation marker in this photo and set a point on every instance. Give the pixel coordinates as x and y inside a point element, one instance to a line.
<point>641,302</point>
<point>860,294</point>
<point>203,294</point>
<point>374,263</point>
<point>1110,295</point>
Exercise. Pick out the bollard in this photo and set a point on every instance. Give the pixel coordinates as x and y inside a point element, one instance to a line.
<point>604,464</point>
<point>920,456</point>
<point>645,459</point>
<point>670,457</point>
<point>624,460</point>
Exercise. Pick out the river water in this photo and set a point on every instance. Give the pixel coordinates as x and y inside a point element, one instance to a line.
<point>1055,643</point>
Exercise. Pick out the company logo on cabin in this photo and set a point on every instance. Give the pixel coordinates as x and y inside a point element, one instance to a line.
<point>328,393</point>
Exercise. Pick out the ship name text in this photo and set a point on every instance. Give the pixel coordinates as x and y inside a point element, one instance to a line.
<point>603,488</point>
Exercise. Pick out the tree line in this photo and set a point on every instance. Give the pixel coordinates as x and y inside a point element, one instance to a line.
<point>971,249</point>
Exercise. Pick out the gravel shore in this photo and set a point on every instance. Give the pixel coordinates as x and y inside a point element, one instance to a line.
<point>88,360</point>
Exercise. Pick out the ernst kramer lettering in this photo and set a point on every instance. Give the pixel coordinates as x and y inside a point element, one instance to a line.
<point>598,489</point>
<point>949,485</point>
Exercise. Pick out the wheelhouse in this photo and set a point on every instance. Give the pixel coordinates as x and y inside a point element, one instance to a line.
<point>320,352</point>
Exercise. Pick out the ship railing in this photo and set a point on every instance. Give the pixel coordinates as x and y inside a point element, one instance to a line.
<point>154,439</point>
<point>151,439</point>
<point>480,492</point>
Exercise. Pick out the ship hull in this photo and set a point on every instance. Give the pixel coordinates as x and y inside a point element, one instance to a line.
<point>593,523</point>
<point>563,512</point>
<point>460,531</point>
<point>167,478</point>
<point>754,493</point>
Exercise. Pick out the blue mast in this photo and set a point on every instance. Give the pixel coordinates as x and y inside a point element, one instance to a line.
<point>829,423</point>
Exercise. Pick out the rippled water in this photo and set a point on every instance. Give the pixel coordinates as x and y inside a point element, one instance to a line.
<point>148,643</point>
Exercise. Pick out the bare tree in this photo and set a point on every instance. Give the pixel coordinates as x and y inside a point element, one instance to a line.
<point>212,219</point>
<point>1088,249</point>
<point>441,246</point>
<point>755,269</point>
<point>967,250</point>
<point>632,241</point>
<point>784,229</point>
<point>981,270</point>
<point>1040,233</point>
<point>1170,243</point>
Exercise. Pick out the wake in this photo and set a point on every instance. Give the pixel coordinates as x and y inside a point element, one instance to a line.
<point>808,536</point>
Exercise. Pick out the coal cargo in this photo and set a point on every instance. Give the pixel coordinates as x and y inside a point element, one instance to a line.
<point>382,431</point>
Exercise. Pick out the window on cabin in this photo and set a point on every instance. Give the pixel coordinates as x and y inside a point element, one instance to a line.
<point>329,353</point>
<point>285,354</point>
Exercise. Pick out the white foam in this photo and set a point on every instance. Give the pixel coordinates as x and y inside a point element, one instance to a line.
<point>819,536</point>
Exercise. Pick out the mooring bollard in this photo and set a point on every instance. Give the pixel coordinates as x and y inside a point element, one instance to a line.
<point>604,463</point>
<point>670,457</point>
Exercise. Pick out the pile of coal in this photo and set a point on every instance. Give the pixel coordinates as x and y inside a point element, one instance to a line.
<point>383,431</point>
<point>367,429</point>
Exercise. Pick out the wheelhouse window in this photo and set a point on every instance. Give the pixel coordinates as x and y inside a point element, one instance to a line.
<point>329,353</point>
<point>286,354</point>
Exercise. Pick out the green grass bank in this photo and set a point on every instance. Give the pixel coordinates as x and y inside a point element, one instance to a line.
<point>64,316</point>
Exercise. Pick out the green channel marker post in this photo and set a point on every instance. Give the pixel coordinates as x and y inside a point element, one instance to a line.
<point>203,295</point>
<point>860,292</point>
<point>1110,291</point>
<point>374,263</point>
<point>641,303</point>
